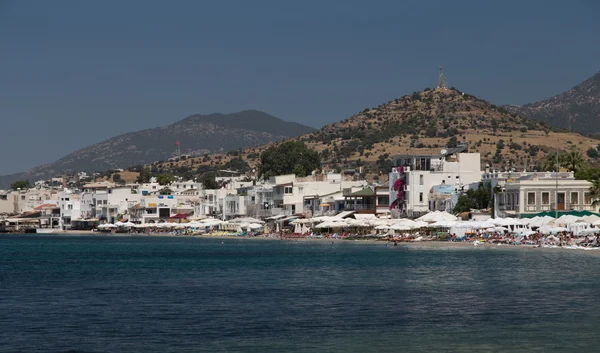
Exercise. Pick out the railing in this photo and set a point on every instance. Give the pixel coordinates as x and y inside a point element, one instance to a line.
<point>308,212</point>
<point>351,207</point>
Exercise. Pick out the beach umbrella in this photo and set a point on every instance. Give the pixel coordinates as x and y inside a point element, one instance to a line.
<point>400,226</point>
<point>442,224</point>
<point>330,224</point>
<point>420,224</point>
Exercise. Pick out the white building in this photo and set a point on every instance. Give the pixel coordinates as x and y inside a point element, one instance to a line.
<point>521,193</point>
<point>70,207</point>
<point>452,169</point>
<point>289,195</point>
<point>189,187</point>
<point>107,201</point>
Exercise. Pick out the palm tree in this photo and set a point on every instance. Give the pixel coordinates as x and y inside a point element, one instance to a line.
<point>549,163</point>
<point>574,161</point>
<point>595,192</point>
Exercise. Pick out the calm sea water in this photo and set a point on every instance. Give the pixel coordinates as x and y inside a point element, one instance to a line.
<point>159,294</point>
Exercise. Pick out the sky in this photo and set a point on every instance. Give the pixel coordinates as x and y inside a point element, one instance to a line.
<point>73,73</point>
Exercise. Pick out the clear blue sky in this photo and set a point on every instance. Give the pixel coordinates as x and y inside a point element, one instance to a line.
<point>73,73</point>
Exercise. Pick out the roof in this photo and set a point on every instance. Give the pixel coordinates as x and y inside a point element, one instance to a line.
<point>275,217</point>
<point>25,220</point>
<point>344,214</point>
<point>179,216</point>
<point>363,192</point>
<point>46,206</point>
<point>560,213</point>
<point>96,186</point>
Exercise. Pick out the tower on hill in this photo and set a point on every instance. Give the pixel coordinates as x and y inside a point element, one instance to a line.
<point>442,79</point>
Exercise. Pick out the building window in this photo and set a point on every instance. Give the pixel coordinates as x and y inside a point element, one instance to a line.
<point>421,179</point>
<point>420,197</point>
<point>545,198</point>
<point>587,198</point>
<point>70,207</point>
<point>531,198</point>
<point>288,190</point>
<point>574,198</point>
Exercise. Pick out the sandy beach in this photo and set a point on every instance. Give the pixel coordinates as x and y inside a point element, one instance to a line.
<point>420,245</point>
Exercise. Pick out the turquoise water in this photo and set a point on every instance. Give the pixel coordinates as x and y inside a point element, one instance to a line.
<point>164,294</point>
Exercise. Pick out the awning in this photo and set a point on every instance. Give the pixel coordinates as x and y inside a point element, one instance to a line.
<point>324,205</point>
<point>275,217</point>
<point>344,214</point>
<point>289,218</point>
<point>365,216</point>
<point>179,216</point>
<point>22,220</point>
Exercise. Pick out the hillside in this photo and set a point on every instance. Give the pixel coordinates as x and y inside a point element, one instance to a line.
<point>197,134</point>
<point>423,122</point>
<point>577,109</point>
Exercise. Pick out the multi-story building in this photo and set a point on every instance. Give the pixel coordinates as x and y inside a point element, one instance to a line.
<point>453,167</point>
<point>107,201</point>
<point>9,202</point>
<point>305,195</point>
<point>69,204</point>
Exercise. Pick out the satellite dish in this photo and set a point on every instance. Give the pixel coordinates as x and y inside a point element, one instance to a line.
<point>444,151</point>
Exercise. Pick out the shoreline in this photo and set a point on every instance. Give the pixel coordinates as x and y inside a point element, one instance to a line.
<point>421,245</point>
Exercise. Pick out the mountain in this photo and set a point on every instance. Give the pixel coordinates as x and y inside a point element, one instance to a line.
<point>197,134</point>
<point>577,109</point>
<point>425,122</point>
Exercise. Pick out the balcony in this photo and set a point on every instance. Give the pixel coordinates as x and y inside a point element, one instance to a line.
<point>352,207</point>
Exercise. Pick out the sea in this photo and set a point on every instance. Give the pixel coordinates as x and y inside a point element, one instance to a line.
<point>181,294</point>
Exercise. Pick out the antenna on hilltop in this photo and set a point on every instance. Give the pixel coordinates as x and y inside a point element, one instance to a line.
<point>442,80</point>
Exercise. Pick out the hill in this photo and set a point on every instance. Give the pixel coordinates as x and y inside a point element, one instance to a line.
<point>423,122</point>
<point>197,134</point>
<point>577,109</point>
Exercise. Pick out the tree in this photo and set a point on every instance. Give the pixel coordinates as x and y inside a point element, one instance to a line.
<point>431,131</point>
<point>588,173</point>
<point>20,184</point>
<point>287,158</point>
<point>549,163</point>
<point>574,161</point>
<point>144,176</point>
<point>237,164</point>
<point>595,192</point>
<point>165,191</point>
<point>463,204</point>
<point>452,142</point>
<point>208,181</point>
<point>479,199</point>
<point>165,179</point>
